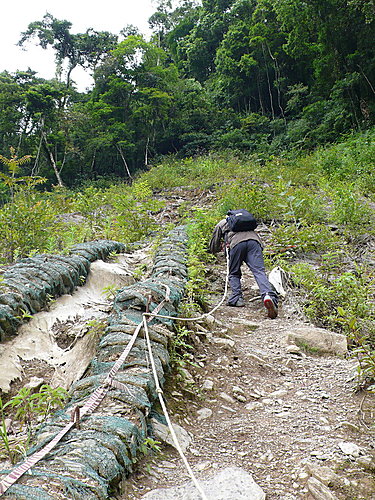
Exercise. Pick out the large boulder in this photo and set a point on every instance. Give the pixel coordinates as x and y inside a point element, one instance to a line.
<point>318,340</point>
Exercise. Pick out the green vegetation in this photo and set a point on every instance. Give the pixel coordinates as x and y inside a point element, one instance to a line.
<point>258,76</point>
<point>27,407</point>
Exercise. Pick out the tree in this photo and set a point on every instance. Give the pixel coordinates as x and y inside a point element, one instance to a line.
<point>83,49</point>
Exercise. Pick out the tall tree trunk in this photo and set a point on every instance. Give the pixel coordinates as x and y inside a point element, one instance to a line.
<point>146,151</point>
<point>52,161</point>
<point>268,83</point>
<point>124,161</point>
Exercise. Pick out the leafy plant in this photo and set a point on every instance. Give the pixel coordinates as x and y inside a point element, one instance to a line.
<point>149,446</point>
<point>28,407</point>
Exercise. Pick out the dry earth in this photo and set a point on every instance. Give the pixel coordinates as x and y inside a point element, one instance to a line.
<point>278,415</point>
<point>247,401</point>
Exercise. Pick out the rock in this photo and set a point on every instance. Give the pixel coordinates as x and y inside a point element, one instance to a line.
<point>208,385</point>
<point>210,320</point>
<point>240,325</point>
<point>254,405</point>
<point>240,398</point>
<point>366,462</point>
<point>349,449</point>
<point>231,483</point>
<point>319,491</point>
<point>163,433</point>
<point>318,339</point>
<point>278,394</point>
<point>323,474</point>
<point>204,413</point>
<point>34,384</point>
<point>293,349</point>
<point>238,390</point>
<point>227,398</point>
<point>239,394</point>
<point>267,457</point>
<point>188,377</point>
<point>202,466</point>
<point>228,343</point>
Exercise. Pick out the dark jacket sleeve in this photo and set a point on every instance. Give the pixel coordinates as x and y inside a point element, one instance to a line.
<point>217,237</point>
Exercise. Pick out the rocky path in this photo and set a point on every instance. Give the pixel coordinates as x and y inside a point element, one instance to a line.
<point>254,400</point>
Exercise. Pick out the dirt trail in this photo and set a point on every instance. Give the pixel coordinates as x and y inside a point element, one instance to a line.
<point>270,412</point>
<point>249,402</point>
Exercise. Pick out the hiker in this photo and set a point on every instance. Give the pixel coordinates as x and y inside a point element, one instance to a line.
<point>244,245</point>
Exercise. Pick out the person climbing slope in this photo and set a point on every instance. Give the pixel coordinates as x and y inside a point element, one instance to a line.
<point>237,231</point>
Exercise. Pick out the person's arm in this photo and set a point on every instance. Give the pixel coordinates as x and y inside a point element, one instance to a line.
<point>217,237</point>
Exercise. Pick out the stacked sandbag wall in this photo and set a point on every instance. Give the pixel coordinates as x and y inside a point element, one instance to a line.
<point>94,457</point>
<point>27,286</point>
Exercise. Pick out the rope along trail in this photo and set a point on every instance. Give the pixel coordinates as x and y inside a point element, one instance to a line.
<point>98,395</point>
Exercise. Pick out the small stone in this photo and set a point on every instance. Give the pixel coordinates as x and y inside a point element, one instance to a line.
<point>350,426</point>
<point>238,390</point>
<point>267,457</point>
<point>210,320</point>
<point>8,424</point>
<point>302,476</point>
<point>350,449</point>
<point>254,405</point>
<point>163,433</point>
<point>187,376</point>
<point>208,385</point>
<point>34,383</point>
<point>202,466</point>
<point>204,413</point>
<point>319,455</point>
<point>195,452</point>
<point>240,398</point>
<point>228,409</point>
<point>227,398</point>
<point>228,343</point>
<point>242,325</point>
<point>323,474</point>
<point>366,462</point>
<point>292,349</point>
<point>278,394</point>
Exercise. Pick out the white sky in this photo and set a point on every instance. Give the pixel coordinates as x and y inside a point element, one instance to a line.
<point>108,15</point>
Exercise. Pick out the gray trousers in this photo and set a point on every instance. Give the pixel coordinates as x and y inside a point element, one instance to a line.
<point>251,253</point>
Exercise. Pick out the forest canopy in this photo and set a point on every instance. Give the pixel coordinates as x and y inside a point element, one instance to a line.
<point>259,76</point>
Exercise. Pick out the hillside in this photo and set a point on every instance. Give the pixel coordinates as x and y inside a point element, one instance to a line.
<point>248,389</point>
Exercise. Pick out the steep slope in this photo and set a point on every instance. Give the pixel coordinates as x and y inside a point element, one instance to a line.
<point>251,397</point>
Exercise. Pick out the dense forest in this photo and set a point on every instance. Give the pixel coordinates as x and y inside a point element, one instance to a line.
<point>261,76</point>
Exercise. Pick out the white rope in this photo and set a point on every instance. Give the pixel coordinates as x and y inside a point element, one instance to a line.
<point>205,314</point>
<point>165,411</point>
<point>96,397</point>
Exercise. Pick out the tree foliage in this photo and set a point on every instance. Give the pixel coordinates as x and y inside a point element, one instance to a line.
<point>252,75</point>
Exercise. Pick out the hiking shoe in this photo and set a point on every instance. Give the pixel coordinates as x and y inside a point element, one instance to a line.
<point>240,303</point>
<point>271,307</point>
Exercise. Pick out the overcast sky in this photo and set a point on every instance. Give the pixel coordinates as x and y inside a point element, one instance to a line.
<point>108,15</point>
